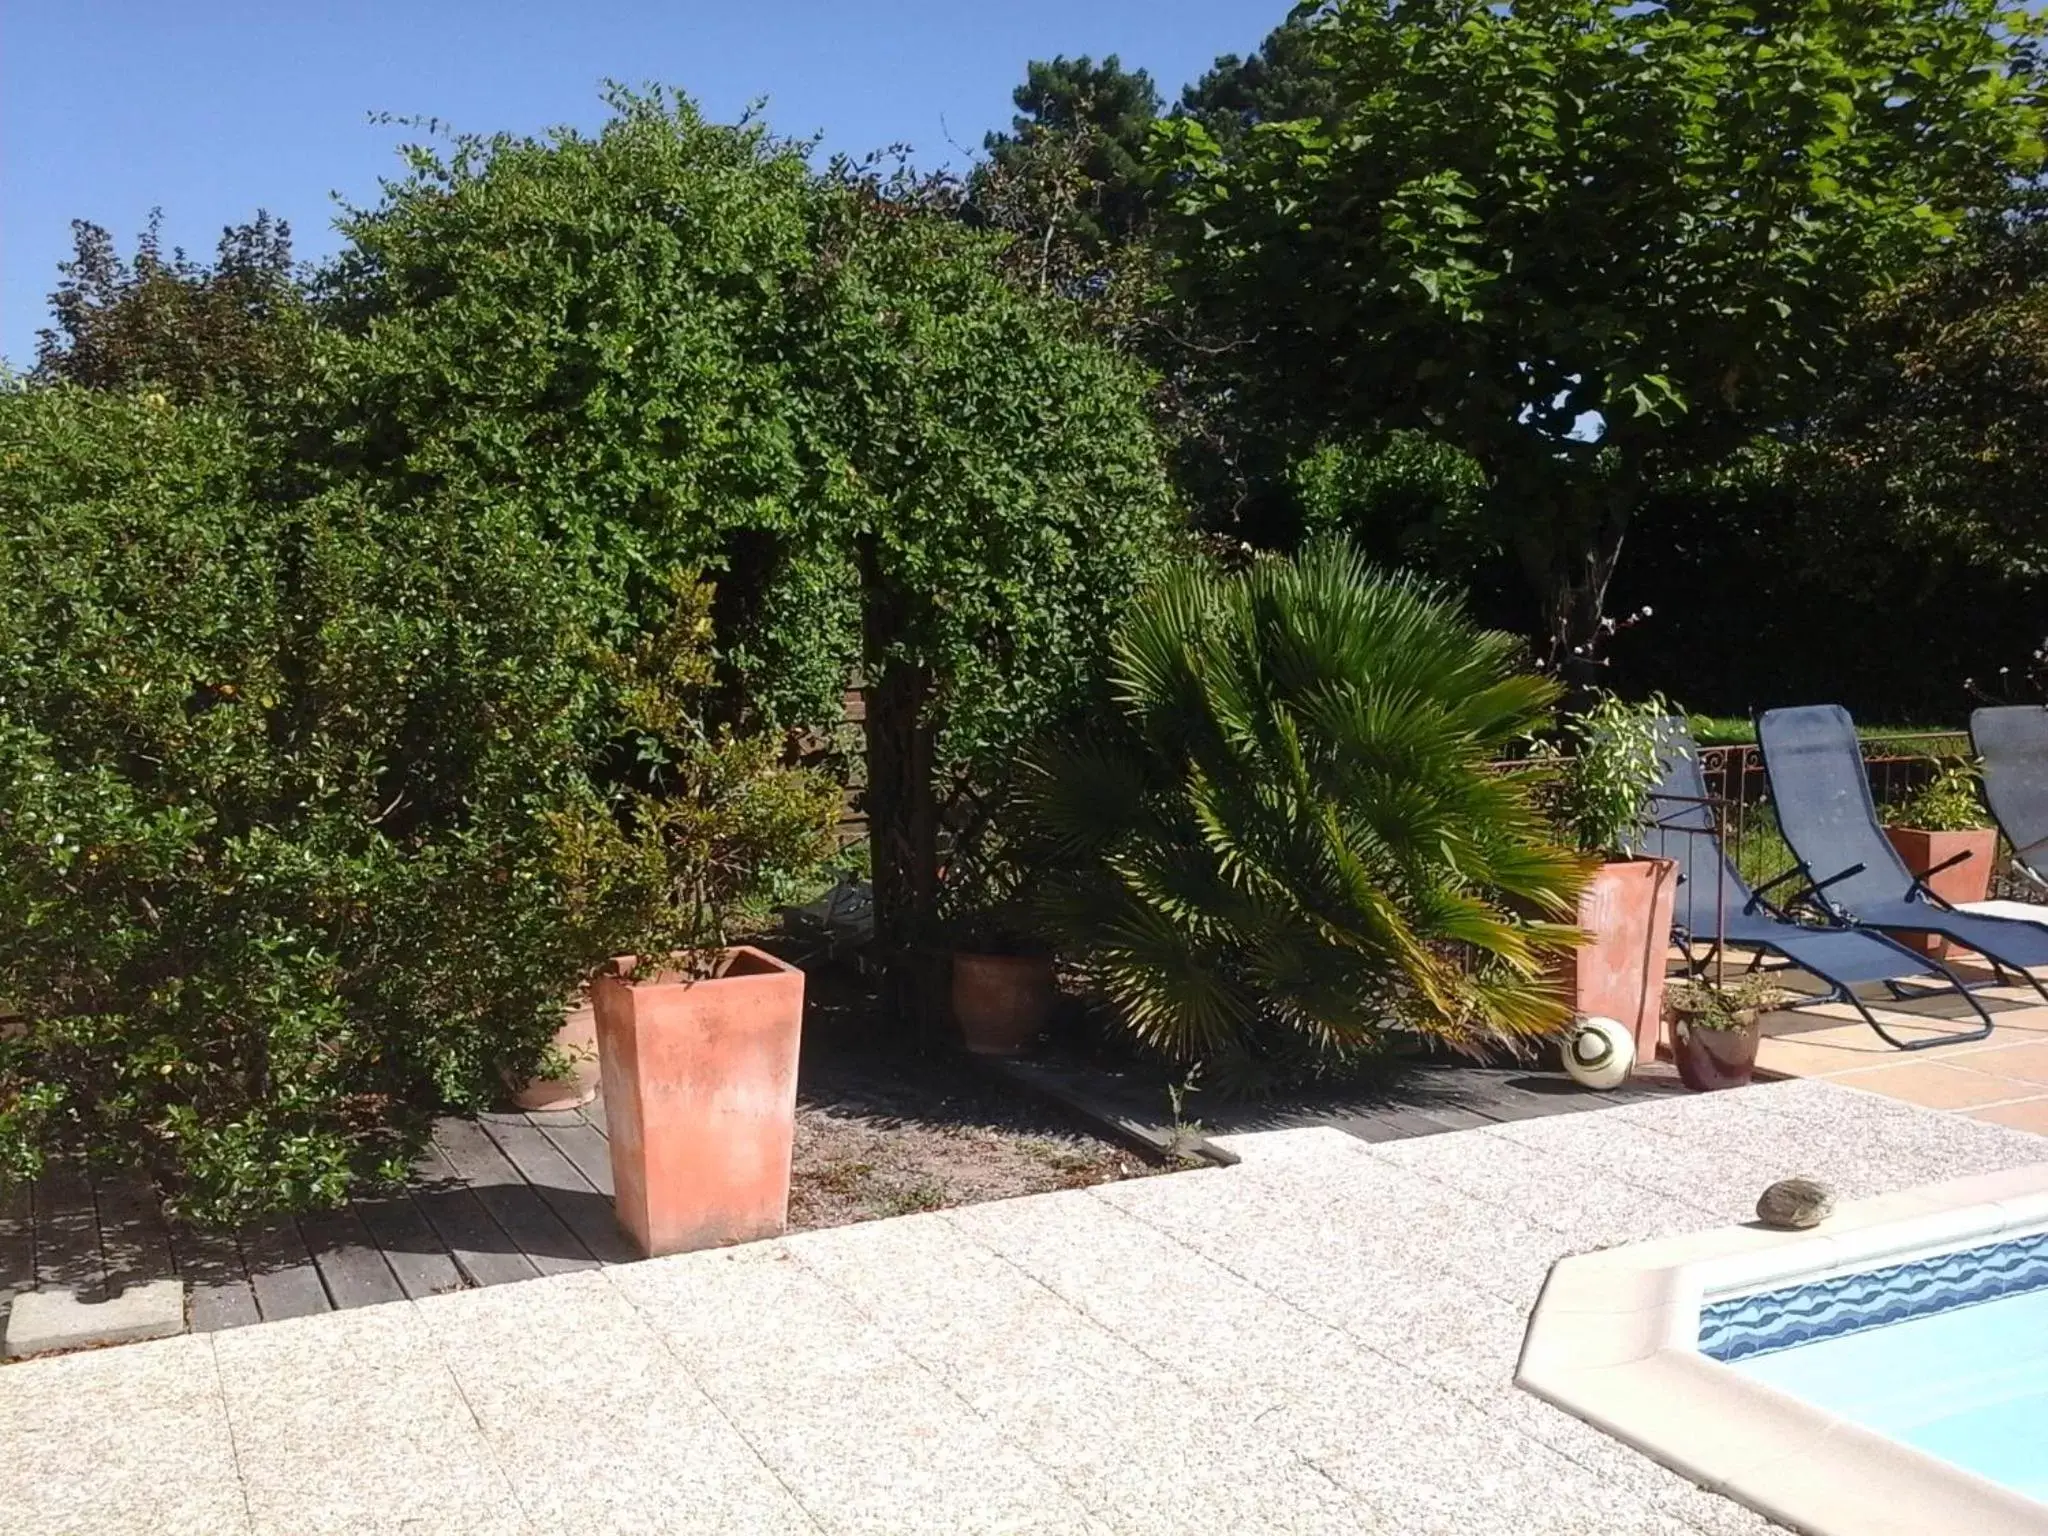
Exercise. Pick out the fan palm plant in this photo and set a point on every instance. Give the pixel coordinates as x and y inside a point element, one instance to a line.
<point>1286,839</point>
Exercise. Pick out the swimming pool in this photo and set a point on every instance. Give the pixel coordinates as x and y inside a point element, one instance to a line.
<point>1947,1353</point>
<point>1886,1372</point>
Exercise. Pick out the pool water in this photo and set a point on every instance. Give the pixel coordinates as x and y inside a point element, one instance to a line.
<point>1969,1385</point>
<point>1949,1355</point>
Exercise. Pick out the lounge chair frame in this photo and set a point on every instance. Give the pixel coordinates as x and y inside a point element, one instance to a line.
<point>1682,810</point>
<point>1859,892</point>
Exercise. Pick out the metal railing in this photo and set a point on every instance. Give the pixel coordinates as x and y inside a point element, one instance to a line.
<point>1899,767</point>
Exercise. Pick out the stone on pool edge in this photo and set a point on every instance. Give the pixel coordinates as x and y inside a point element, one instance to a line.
<point>41,1321</point>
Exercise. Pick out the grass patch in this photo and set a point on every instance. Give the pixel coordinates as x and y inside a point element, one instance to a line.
<point>843,1178</point>
<point>1735,730</point>
<point>1059,1158</point>
<point>927,1195</point>
<point>1760,852</point>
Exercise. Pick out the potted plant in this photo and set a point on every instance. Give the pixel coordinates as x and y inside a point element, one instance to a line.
<point>1944,829</point>
<point>1714,1031</point>
<point>697,1034</point>
<point>568,1075</point>
<point>1600,800</point>
<point>1002,989</point>
<point>699,1055</point>
<point>1002,983</point>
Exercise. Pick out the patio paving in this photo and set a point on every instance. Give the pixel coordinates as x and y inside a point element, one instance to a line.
<point>2001,1080</point>
<point>1320,1339</point>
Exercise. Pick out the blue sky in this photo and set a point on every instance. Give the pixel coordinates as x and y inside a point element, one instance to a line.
<point>213,108</point>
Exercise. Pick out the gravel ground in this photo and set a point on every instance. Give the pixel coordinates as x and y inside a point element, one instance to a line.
<point>891,1135</point>
<point>886,1126</point>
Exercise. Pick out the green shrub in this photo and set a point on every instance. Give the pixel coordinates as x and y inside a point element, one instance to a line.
<point>1401,496</point>
<point>290,798</point>
<point>1285,837</point>
<point>613,332</point>
<point>1947,802</point>
<point>674,345</point>
<point>614,458</point>
<point>1610,761</point>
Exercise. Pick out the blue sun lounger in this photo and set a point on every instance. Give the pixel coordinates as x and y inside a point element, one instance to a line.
<point>2011,742</point>
<point>1717,908</point>
<point>1852,872</point>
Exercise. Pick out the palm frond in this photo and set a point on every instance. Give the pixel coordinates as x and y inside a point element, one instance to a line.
<point>1290,840</point>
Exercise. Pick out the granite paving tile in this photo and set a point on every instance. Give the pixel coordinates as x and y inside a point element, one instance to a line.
<point>350,1422</point>
<point>1321,1339</point>
<point>1124,1434</point>
<point>596,1425</point>
<point>1482,1374</point>
<point>1211,1328</point>
<point>999,1338</point>
<point>134,1439</point>
<point>863,1436</point>
<point>1372,1277</point>
<point>1719,1180</point>
<point>1467,1481</point>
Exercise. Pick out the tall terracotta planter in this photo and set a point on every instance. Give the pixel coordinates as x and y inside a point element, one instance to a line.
<point>700,1097</point>
<point>1619,973</point>
<point>1968,881</point>
<point>1001,1002</point>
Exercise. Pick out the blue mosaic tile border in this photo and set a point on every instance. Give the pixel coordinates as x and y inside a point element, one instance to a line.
<point>1742,1326</point>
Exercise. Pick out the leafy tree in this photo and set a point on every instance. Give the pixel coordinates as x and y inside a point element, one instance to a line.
<point>1011,502</point>
<point>167,322</point>
<point>1069,183</point>
<point>1773,587</point>
<point>674,347</point>
<point>1079,141</point>
<point>1081,127</point>
<point>1940,436</point>
<point>1404,499</point>
<point>1284,839</point>
<point>1072,165</point>
<point>1887,549</point>
<point>601,334</point>
<point>1548,234</point>
<point>1283,82</point>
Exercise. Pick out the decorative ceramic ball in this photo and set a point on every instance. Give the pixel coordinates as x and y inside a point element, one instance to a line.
<point>1600,1053</point>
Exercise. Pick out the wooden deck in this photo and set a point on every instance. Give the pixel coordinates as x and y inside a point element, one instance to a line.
<point>510,1196</point>
<point>503,1197</point>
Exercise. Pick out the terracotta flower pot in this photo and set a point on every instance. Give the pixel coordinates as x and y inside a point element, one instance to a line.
<point>700,1098</point>
<point>1619,973</point>
<point>1711,1059</point>
<point>577,1041</point>
<point>1001,1002</point>
<point>1968,881</point>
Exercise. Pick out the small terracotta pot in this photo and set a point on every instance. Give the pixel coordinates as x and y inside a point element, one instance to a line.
<point>700,1099</point>
<point>1712,1059</point>
<point>1001,1002</point>
<point>1968,881</point>
<point>1619,972</point>
<point>576,1040</point>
